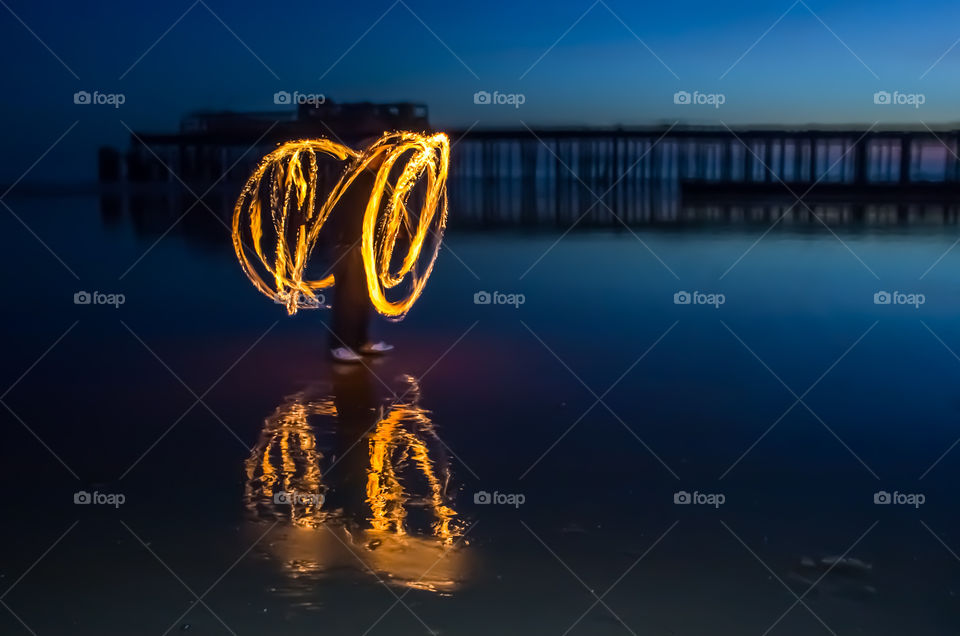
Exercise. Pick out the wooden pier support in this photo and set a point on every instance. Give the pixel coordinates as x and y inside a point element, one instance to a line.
<point>906,158</point>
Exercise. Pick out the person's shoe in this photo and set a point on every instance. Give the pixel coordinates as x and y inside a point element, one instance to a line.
<point>376,348</point>
<point>344,354</point>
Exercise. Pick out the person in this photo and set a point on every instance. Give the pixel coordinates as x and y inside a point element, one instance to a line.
<point>352,309</point>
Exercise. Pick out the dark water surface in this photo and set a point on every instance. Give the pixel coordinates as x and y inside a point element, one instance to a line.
<point>198,400</point>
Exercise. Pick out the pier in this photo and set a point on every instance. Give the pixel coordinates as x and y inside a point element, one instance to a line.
<point>612,177</point>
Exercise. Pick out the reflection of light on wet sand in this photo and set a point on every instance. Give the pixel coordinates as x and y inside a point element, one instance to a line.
<point>399,447</point>
<point>401,438</point>
<point>419,562</point>
<point>287,459</point>
<point>409,531</point>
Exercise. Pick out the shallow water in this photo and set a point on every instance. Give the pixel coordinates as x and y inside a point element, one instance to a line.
<point>597,400</point>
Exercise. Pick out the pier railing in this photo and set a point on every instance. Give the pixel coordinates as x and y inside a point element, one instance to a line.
<point>591,177</point>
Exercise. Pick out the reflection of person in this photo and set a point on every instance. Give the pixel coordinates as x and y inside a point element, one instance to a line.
<point>366,475</point>
<point>358,410</point>
<point>352,310</point>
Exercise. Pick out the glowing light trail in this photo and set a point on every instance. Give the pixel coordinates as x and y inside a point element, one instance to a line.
<point>284,188</point>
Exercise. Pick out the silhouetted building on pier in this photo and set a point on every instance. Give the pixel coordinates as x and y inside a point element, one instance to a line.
<point>211,145</point>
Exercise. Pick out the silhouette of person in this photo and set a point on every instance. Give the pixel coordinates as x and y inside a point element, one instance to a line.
<point>352,309</point>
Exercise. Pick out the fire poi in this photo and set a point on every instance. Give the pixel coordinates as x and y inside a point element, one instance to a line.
<point>283,189</point>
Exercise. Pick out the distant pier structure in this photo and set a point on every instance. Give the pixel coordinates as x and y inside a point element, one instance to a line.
<point>601,177</point>
<point>226,145</point>
<point>751,156</point>
<point>529,176</point>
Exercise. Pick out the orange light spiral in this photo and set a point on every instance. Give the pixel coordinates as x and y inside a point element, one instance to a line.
<point>284,188</point>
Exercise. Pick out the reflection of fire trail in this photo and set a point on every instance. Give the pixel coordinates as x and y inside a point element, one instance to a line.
<point>400,438</point>
<point>402,482</point>
<point>287,180</point>
<point>286,459</point>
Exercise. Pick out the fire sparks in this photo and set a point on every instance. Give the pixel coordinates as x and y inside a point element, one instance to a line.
<point>283,188</point>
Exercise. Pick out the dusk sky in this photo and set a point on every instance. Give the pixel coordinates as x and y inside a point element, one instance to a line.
<point>813,62</point>
<point>650,327</point>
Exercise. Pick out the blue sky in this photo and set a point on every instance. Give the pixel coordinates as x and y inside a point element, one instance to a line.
<point>821,63</point>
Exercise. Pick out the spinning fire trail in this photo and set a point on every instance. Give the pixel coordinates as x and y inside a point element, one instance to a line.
<point>284,188</point>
